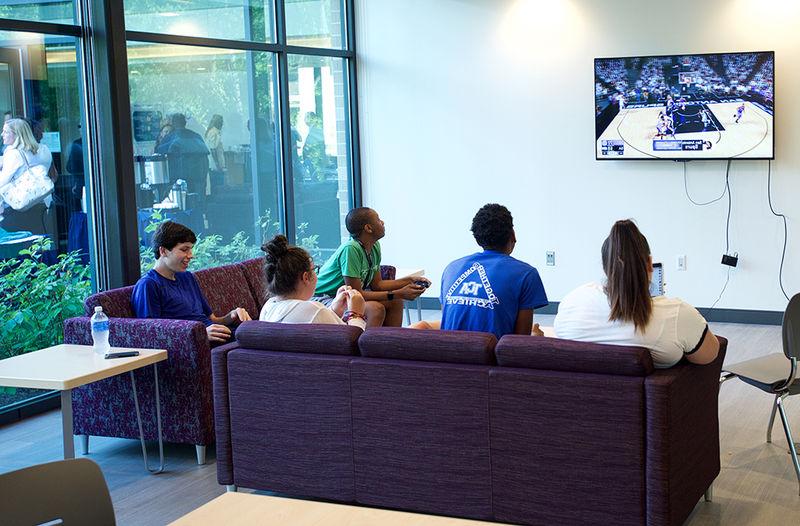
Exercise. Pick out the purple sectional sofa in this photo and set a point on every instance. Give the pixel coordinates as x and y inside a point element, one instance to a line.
<point>106,408</point>
<point>525,430</point>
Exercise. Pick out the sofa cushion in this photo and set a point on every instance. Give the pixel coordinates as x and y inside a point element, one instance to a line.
<point>421,436</point>
<point>567,448</point>
<point>429,345</point>
<point>116,303</point>
<point>535,352</point>
<point>253,270</point>
<point>226,288</point>
<point>290,422</point>
<point>299,337</point>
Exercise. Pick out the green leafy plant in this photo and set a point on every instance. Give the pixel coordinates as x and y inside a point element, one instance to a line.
<point>36,298</point>
<point>210,251</point>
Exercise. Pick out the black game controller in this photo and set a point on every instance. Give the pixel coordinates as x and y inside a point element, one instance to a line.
<point>423,284</point>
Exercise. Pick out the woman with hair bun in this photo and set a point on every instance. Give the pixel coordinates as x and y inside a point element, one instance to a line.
<point>622,312</point>
<point>291,279</point>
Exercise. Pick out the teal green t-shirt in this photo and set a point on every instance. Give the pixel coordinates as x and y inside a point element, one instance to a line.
<point>349,260</point>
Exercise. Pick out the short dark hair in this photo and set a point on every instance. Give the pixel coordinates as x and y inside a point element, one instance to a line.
<point>493,226</point>
<point>178,120</point>
<point>357,219</point>
<point>283,265</point>
<point>168,234</point>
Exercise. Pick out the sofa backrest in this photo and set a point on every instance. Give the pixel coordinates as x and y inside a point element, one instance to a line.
<point>253,270</point>
<point>429,346</point>
<point>553,354</point>
<point>116,303</point>
<point>226,288</point>
<point>299,338</point>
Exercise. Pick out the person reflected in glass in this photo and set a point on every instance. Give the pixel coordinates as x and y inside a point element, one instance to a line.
<point>314,156</point>
<point>187,158</point>
<point>164,131</point>
<point>291,278</point>
<point>216,157</point>
<point>22,152</point>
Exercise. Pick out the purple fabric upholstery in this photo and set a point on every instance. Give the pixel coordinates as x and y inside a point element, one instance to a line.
<point>513,444</point>
<point>253,270</point>
<point>421,436</point>
<point>682,438</point>
<point>226,288</point>
<point>533,352</point>
<point>388,272</point>
<point>291,423</point>
<point>299,337</point>
<point>222,414</point>
<point>429,346</point>
<point>567,448</point>
<point>106,408</point>
<point>116,303</point>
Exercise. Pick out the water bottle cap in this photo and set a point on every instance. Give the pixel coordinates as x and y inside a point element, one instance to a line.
<point>98,309</point>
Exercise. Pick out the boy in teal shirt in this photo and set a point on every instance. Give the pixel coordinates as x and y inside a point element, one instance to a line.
<point>357,264</point>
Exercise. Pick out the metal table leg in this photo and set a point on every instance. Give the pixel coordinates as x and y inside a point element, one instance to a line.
<point>419,308</point>
<point>66,424</point>
<point>158,422</point>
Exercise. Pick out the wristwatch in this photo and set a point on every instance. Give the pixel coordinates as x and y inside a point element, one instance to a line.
<point>389,296</point>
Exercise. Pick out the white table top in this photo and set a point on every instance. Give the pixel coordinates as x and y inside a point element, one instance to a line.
<point>235,509</point>
<point>69,366</point>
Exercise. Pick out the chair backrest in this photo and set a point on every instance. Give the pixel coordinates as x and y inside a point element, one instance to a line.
<point>791,328</point>
<point>73,491</point>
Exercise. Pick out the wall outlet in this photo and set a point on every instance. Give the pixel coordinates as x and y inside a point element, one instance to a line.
<point>681,262</point>
<point>551,258</point>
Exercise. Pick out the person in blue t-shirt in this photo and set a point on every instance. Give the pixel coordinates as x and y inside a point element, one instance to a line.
<point>490,291</point>
<point>169,291</point>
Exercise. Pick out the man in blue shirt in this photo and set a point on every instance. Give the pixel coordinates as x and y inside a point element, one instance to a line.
<point>490,291</point>
<point>169,291</point>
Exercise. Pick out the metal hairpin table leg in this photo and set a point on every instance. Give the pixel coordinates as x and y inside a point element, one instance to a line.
<point>158,423</point>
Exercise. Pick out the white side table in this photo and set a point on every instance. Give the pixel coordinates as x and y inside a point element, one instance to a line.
<point>65,367</point>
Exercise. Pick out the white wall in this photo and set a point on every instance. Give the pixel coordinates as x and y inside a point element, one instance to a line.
<point>464,102</point>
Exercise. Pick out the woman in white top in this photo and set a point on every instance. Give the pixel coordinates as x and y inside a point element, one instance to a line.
<point>21,152</point>
<point>291,279</point>
<point>622,312</point>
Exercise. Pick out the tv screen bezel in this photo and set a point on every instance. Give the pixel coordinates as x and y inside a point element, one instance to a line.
<point>687,159</point>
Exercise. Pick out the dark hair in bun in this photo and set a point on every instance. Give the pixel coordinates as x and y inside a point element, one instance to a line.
<point>284,265</point>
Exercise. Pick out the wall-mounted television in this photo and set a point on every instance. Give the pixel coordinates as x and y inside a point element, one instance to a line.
<point>685,107</point>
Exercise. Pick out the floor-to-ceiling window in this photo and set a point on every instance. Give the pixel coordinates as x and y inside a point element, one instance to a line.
<point>241,122</point>
<point>242,125</point>
<point>45,264</point>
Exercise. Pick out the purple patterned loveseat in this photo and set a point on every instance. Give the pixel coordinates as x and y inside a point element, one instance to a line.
<point>106,408</point>
<point>526,430</point>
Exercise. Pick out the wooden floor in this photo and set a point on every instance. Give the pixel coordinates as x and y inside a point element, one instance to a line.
<point>757,484</point>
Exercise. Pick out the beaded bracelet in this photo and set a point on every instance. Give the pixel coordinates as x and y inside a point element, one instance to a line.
<point>349,315</point>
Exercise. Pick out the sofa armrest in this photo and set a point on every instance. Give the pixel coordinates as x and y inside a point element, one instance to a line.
<point>183,340</point>
<point>222,412</point>
<point>682,429</point>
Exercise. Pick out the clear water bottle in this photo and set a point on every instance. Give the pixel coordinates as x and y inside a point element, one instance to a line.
<point>100,331</point>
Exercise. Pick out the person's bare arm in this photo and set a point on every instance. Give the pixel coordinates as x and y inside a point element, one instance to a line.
<point>524,322</point>
<point>405,290</point>
<point>708,351</point>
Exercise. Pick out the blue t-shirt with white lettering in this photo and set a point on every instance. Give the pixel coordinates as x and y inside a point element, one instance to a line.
<point>485,292</point>
<point>155,296</point>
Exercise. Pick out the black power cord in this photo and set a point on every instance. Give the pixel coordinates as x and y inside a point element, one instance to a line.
<point>725,190</point>
<point>785,227</point>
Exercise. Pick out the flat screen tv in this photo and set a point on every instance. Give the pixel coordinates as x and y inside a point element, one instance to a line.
<point>684,107</point>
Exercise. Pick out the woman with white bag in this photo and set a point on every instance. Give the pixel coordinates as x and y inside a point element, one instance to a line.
<point>22,153</point>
